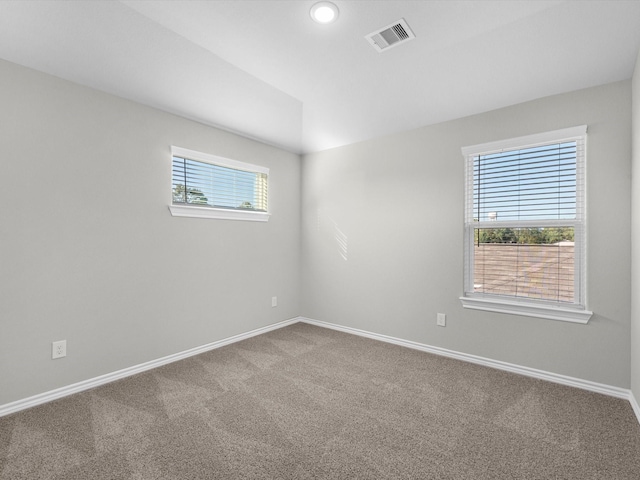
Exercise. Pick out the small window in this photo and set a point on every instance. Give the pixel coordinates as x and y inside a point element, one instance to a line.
<point>208,186</point>
<point>525,226</point>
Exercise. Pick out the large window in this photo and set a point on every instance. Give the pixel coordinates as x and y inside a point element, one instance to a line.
<point>208,186</point>
<point>525,226</point>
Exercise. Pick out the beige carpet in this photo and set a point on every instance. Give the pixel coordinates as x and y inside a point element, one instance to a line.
<point>306,402</point>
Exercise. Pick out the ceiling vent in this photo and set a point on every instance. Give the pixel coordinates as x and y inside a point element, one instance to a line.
<point>390,36</point>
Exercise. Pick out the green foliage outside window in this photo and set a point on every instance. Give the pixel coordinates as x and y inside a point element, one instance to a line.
<point>530,236</point>
<point>189,195</point>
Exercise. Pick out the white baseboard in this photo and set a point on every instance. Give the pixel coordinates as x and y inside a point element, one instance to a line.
<point>45,397</point>
<point>509,367</point>
<point>49,396</point>
<point>634,405</point>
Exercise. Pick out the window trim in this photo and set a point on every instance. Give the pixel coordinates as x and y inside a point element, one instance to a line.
<point>575,312</point>
<point>194,211</point>
<point>527,309</point>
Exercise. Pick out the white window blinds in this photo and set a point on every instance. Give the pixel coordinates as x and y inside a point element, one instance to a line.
<point>208,181</point>
<point>536,183</point>
<point>525,219</point>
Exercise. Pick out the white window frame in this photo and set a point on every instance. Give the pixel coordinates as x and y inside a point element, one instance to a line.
<point>195,211</point>
<point>573,312</point>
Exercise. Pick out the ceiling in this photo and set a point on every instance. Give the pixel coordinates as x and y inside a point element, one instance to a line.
<point>265,70</point>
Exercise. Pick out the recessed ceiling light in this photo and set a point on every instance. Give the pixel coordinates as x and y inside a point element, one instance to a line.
<point>324,12</point>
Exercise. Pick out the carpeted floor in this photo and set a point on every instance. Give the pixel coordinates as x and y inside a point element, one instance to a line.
<point>305,402</point>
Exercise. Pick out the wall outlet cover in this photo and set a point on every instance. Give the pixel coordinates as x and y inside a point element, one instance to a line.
<point>59,349</point>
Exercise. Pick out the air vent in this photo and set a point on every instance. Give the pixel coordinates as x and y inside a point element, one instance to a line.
<point>390,36</point>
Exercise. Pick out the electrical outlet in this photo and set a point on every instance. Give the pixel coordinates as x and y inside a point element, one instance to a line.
<point>274,301</point>
<point>442,320</point>
<point>59,349</point>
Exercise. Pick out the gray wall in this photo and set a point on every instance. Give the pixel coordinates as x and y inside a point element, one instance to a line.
<point>90,253</point>
<point>635,236</point>
<point>382,239</point>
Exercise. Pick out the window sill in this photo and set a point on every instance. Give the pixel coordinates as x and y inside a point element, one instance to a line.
<point>564,314</point>
<point>218,213</point>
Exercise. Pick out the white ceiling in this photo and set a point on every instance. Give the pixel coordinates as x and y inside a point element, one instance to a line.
<point>265,70</point>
